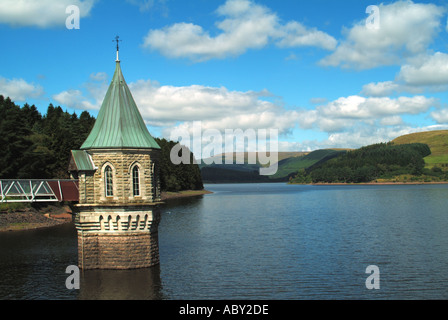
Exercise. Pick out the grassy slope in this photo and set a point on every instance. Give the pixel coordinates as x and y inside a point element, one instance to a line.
<point>288,163</point>
<point>291,165</point>
<point>437,142</point>
<point>280,155</point>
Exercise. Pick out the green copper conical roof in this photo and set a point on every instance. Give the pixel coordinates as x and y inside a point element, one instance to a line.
<point>119,123</point>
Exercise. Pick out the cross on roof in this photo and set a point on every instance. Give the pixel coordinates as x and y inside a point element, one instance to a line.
<point>118,48</point>
<point>116,39</point>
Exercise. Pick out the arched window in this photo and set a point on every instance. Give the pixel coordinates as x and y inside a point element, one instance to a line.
<point>108,180</point>
<point>136,181</point>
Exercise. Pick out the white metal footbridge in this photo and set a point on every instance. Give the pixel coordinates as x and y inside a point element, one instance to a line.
<point>38,190</point>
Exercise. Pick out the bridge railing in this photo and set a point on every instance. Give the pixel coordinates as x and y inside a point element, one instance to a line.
<point>38,190</point>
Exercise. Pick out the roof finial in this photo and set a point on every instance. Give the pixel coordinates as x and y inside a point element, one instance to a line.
<point>118,48</point>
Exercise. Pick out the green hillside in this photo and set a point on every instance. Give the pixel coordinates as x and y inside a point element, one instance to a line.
<point>400,160</point>
<point>378,161</point>
<point>220,172</point>
<point>437,142</point>
<point>288,165</point>
<point>237,155</point>
<point>418,157</point>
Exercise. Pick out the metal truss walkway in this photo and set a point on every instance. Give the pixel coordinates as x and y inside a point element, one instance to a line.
<point>38,190</point>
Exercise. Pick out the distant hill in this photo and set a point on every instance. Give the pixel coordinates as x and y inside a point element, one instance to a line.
<point>378,161</point>
<point>246,155</point>
<point>418,157</point>
<point>298,166</point>
<point>288,165</point>
<point>437,142</point>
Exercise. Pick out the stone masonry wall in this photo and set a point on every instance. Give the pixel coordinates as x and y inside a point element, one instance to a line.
<point>118,251</point>
<point>86,187</point>
<point>116,236</point>
<point>92,186</point>
<point>119,231</point>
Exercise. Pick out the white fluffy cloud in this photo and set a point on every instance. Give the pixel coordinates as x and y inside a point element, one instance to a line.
<point>96,88</point>
<point>294,34</point>
<point>406,28</point>
<point>380,89</point>
<point>426,70</point>
<point>74,99</point>
<point>357,121</point>
<point>419,73</point>
<point>357,107</point>
<point>356,137</point>
<point>440,116</point>
<point>42,13</point>
<point>392,121</point>
<point>19,89</point>
<point>167,106</point>
<point>216,108</point>
<point>352,121</point>
<point>347,112</point>
<point>246,25</point>
<point>366,135</point>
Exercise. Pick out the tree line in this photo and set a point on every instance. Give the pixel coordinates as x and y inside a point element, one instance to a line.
<point>383,160</point>
<point>177,177</point>
<point>36,146</point>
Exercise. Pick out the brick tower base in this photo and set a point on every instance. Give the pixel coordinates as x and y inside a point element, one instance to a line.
<point>117,237</point>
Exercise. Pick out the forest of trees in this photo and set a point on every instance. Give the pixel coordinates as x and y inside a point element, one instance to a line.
<point>383,160</point>
<point>177,177</point>
<point>36,146</point>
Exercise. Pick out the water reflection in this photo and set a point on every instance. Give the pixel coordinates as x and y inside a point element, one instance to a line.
<point>139,284</point>
<point>135,284</point>
<point>187,202</point>
<point>267,241</point>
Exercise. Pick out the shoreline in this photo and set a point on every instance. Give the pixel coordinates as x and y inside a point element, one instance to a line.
<point>183,194</point>
<point>369,183</point>
<point>30,218</point>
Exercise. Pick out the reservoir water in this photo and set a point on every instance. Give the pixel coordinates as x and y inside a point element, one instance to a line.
<point>260,241</point>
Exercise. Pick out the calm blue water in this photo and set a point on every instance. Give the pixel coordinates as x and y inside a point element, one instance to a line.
<point>260,241</point>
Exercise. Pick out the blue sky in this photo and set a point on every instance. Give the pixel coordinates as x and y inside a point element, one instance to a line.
<point>311,69</point>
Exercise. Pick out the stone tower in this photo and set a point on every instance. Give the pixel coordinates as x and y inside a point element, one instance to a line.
<point>119,190</point>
